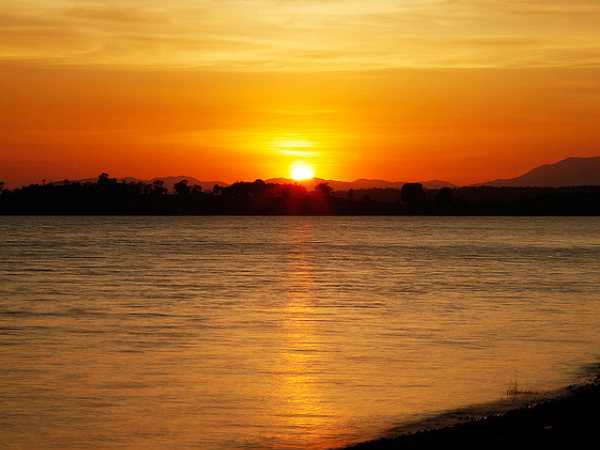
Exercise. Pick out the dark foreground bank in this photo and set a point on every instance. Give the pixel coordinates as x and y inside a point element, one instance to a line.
<point>108,196</point>
<point>568,421</point>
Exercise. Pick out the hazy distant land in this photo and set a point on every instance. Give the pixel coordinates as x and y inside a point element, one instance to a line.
<point>569,187</point>
<point>568,172</point>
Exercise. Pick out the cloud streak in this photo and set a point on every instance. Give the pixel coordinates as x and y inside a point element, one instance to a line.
<point>253,35</point>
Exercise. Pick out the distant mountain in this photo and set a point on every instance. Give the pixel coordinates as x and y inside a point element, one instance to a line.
<point>568,172</point>
<point>309,184</point>
<point>364,183</point>
<point>360,184</point>
<point>437,184</point>
<point>338,185</point>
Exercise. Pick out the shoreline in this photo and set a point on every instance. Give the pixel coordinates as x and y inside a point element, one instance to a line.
<point>564,418</point>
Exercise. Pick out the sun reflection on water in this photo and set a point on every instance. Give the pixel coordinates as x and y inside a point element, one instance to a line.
<point>310,418</point>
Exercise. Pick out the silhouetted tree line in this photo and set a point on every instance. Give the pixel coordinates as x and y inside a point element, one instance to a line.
<point>108,196</point>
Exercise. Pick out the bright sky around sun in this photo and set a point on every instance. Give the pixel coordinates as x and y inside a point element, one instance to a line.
<point>407,90</point>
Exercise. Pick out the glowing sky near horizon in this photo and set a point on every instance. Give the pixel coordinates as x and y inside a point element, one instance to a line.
<point>404,90</point>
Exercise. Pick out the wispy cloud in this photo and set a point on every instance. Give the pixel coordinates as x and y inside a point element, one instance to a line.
<point>308,35</point>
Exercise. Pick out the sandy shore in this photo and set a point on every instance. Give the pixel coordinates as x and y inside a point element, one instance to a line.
<point>565,419</point>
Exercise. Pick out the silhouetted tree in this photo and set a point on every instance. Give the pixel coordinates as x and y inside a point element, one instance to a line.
<point>158,187</point>
<point>182,188</point>
<point>443,199</point>
<point>351,194</point>
<point>413,193</point>
<point>109,196</point>
<point>103,178</point>
<point>288,190</point>
<point>324,190</point>
<point>259,186</point>
<point>217,190</point>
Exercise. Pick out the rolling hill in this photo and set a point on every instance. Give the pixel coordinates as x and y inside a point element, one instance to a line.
<point>568,172</point>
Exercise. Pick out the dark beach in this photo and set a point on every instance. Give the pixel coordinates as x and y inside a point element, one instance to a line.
<point>566,419</point>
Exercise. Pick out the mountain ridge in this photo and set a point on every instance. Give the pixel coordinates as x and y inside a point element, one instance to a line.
<point>572,171</point>
<point>361,183</point>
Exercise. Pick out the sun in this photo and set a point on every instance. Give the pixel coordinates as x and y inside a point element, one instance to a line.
<point>300,171</point>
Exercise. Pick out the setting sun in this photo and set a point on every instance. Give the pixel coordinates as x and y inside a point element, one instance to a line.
<point>300,171</point>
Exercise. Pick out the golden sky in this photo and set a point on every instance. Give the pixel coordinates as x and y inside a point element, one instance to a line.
<point>410,90</point>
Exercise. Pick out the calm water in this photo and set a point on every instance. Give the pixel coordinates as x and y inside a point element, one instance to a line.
<point>281,332</point>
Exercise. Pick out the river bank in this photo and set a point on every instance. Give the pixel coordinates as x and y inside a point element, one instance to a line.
<point>567,419</point>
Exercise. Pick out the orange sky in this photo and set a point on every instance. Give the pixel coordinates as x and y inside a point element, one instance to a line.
<point>463,91</point>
